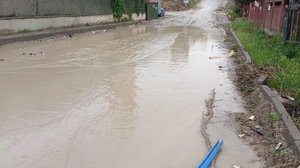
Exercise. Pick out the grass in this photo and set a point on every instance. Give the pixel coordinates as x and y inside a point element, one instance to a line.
<point>275,117</point>
<point>25,31</point>
<point>281,59</point>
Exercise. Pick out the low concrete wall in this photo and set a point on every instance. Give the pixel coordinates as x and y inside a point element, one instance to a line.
<point>15,25</point>
<point>21,8</point>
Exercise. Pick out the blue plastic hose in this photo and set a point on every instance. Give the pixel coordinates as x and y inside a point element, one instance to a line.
<point>211,155</point>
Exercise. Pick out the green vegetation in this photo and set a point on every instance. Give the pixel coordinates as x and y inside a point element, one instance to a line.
<point>25,31</point>
<point>120,7</point>
<point>194,2</point>
<point>234,13</point>
<point>275,117</point>
<point>281,59</point>
<point>51,14</point>
<point>139,7</point>
<point>283,153</point>
<point>87,25</point>
<point>125,19</point>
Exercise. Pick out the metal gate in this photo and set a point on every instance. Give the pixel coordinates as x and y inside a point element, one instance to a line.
<point>290,27</point>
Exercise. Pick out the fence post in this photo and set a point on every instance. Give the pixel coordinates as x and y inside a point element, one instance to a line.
<point>297,26</point>
<point>281,16</point>
<point>273,6</point>
<point>292,25</point>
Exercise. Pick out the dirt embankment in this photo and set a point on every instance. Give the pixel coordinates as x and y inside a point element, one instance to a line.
<point>178,5</point>
<point>261,127</point>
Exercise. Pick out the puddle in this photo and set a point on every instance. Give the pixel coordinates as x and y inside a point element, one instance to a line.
<point>133,97</point>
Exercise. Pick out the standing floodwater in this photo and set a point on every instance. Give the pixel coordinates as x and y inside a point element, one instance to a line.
<point>134,97</point>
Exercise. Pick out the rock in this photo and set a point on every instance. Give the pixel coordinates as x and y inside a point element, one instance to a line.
<point>259,154</point>
<point>245,129</point>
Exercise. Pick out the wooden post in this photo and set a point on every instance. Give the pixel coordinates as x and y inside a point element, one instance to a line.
<point>297,25</point>
<point>281,16</point>
<point>292,25</point>
<point>272,12</point>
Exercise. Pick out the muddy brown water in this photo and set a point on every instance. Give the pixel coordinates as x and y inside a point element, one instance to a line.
<point>131,97</point>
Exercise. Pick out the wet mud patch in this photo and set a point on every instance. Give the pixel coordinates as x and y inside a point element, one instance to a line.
<point>206,121</point>
<point>207,117</point>
<point>261,127</point>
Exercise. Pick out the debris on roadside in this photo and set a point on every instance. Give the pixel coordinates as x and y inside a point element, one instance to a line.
<point>252,118</point>
<point>236,166</point>
<point>242,135</point>
<point>232,53</point>
<point>257,127</point>
<point>223,14</point>
<point>290,98</point>
<point>96,31</point>
<point>1,59</point>
<point>36,54</point>
<point>259,131</point>
<point>278,146</point>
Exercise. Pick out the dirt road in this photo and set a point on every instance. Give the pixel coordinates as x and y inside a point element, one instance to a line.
<point>140,96</point>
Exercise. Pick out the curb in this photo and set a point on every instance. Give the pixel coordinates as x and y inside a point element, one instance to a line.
<point>291,133</point>
<point>262,80</point>
<point>247,56</point>
<point>43,34</point>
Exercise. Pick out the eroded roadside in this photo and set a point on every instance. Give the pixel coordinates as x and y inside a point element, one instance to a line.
<point>261,127</point>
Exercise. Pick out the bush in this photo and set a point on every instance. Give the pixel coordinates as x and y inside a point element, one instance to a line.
<point>117,8</point>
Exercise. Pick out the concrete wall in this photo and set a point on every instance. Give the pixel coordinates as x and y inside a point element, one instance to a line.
<point>54,7</point>
<point>33,24</point>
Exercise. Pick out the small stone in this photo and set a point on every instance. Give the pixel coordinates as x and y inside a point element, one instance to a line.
<point>258,127</point>
<point>245,129</point>
<point>259,154</point>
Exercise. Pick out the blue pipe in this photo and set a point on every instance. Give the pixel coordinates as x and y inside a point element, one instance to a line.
<point>211,155</point>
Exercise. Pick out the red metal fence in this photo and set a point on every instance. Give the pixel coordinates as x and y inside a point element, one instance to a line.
<point>275,16</point>
<point>267,15</point>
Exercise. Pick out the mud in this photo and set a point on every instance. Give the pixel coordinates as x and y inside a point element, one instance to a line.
<point>132,97</point>
<point>246,76</point>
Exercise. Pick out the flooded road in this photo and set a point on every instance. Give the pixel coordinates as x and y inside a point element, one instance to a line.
<point>132,97</point>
